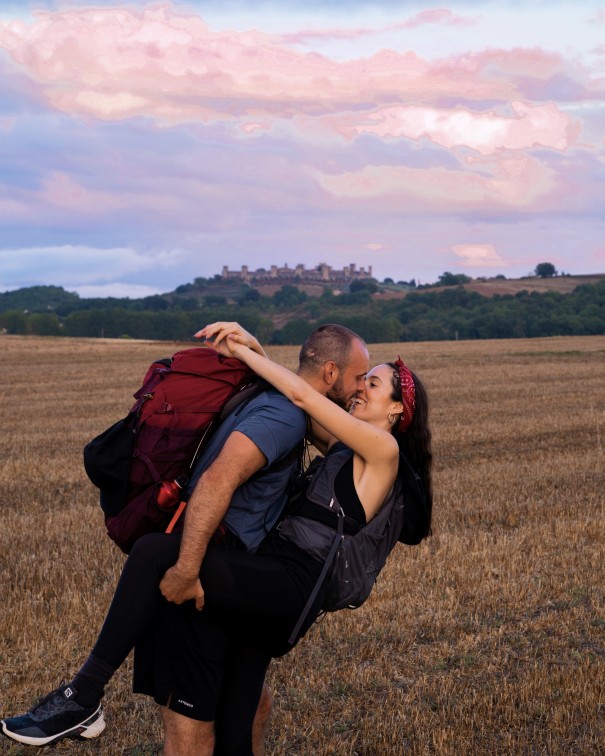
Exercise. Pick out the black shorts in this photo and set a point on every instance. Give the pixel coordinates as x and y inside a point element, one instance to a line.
<point>180,661</point>
<point>198,663</point>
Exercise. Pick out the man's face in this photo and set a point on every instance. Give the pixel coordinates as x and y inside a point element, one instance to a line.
<point>351,380</point>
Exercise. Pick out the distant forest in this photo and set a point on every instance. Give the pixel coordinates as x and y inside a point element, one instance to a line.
<point>287,315</point>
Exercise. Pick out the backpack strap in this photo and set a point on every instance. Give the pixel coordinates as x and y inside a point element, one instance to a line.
<point>156,372</point>
<point>320,580</point>
<point>175,517</point>
<point>242,396</point>
<point>329,517</point>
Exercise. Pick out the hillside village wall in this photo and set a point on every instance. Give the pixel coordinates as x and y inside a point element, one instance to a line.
<point>322,273</point>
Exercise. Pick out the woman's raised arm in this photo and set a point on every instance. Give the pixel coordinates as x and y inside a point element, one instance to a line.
<point>373,444</point>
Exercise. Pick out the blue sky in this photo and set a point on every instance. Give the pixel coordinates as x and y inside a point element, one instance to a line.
<point>145,144</point>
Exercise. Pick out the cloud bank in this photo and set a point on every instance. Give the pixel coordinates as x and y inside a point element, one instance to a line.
<point>148,130</point>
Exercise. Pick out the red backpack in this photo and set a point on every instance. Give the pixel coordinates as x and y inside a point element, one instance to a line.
<point>142,463</point>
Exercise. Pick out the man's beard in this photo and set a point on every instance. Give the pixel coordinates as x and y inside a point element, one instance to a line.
<point>336,394</point>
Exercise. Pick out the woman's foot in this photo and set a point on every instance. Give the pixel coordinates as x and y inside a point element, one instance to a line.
<point>55,717</point>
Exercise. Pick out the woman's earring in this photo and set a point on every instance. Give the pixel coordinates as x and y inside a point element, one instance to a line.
<point>391,418</point>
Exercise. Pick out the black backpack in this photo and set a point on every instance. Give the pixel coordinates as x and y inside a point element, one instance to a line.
<point>352,559</point>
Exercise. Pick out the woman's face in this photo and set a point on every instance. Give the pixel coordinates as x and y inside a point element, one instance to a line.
<point>375,402</point>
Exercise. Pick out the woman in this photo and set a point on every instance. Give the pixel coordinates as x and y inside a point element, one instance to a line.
<point>389,416</point>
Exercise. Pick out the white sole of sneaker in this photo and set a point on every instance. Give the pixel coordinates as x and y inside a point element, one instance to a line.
<point>87,730</point>
<point>94,729</point>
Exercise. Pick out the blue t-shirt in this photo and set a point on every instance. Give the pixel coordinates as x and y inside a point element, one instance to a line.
<point>276,426</point>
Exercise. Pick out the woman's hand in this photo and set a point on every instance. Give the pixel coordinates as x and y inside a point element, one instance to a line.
<point>223,332</point>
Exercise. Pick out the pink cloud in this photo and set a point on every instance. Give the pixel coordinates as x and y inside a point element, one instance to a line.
<point>439,16</point>
<point>501,65</point>
<point>11,209</point>
<point>487,133</point>
<point>251,127</point>
<point>114,64</point>
<point>514,181</point>
<point>145,196</point>
<point>478,256</point>
<point>117,63</point>
<point>64,193</point>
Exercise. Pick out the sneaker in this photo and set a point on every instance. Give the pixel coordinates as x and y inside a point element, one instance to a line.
<point>55,717</point>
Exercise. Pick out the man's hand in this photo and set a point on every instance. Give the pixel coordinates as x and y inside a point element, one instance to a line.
<point>177,587</point>
<point>237,461</point>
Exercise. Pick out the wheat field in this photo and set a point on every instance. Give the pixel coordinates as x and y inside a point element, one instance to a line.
<point>489,638</point>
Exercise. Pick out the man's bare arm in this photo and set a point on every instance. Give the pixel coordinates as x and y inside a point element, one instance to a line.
<point>238,460</point>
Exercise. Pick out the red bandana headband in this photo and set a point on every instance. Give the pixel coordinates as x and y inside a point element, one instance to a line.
<point>408,394</point>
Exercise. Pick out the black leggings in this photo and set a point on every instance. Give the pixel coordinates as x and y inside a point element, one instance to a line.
<point>240,586</point>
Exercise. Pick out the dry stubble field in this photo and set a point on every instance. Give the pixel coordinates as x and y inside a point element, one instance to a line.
<point>487,639</point>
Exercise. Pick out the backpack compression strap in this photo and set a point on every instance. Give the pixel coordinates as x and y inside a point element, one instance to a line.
<point>322,575</point>
<point>175,517</point>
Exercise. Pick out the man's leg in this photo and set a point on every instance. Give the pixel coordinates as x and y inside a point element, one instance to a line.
<point>189,737</point>
<point>180,664</point>
<point>261,722</point>
<point>243,713</point>
<point>186,737</point>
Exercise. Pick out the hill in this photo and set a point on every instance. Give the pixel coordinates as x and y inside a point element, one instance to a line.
<point>471,309</point>
<point>561,284</point>
<point>488,287</point>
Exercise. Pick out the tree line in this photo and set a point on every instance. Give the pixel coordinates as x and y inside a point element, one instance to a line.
<point>454,313</point>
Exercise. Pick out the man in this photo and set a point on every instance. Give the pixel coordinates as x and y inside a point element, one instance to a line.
<point>246,498</point>
<point>240,492</point>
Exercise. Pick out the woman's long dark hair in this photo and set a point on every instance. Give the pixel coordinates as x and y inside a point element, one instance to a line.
<point>415,442</point>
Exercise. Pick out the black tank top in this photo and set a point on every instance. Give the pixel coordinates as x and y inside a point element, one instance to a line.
<point>344,488</point>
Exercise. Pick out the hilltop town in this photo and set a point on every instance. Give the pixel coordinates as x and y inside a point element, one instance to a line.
<point>321,273</point>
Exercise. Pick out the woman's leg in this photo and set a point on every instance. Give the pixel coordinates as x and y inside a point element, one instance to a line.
<point>257,588</point>
<point>74,710</point>
<point>131,609</point>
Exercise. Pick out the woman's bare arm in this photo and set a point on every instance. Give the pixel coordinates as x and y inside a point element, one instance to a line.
<point>373,444</point>
<point>376,450</point>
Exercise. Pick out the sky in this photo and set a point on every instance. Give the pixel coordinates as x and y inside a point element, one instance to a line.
<point>145,144</point>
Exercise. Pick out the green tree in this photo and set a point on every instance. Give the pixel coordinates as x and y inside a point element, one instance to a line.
<point>14,321</point>
<point>545,270</point>
<point>37,298</point>
<point>214,300</point>
<point>357,297</point>
<point>187,304</point>
<point>358,285</point>
<point>289,296</point>
<point>44,324</point>
<point>453,279</point>
<point>249,296</point>
<point>155,303</point>
<point>294,332</point>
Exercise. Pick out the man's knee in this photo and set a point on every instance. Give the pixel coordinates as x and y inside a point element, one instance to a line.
<point>186,737</point>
